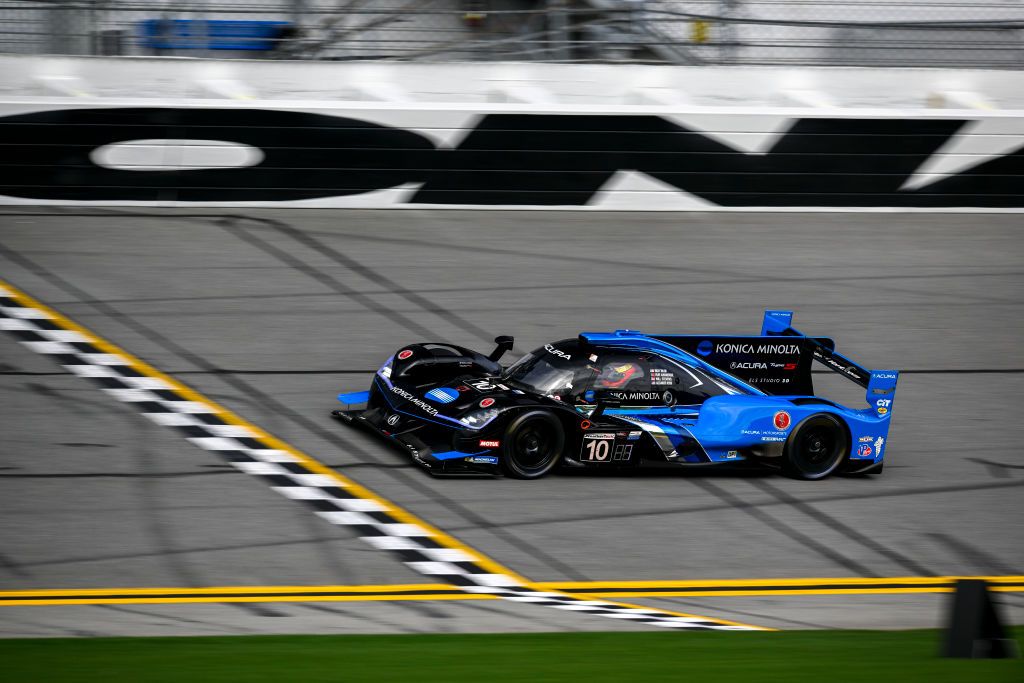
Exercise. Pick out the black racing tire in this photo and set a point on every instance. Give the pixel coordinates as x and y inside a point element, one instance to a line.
<point>816,448</point>
<point>532,445</point>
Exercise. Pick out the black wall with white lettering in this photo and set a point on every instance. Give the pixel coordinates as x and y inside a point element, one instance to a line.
<point>506,159</point>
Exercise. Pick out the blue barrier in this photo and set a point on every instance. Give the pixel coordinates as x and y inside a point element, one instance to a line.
<point>201,34</point>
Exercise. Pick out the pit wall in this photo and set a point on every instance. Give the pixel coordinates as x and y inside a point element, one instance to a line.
<point>99,132</point>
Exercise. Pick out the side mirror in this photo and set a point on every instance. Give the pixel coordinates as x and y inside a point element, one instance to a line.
<point>504,343</point>
<point>604,399</point>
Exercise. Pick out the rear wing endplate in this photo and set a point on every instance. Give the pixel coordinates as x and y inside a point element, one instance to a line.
<point>880,384</point>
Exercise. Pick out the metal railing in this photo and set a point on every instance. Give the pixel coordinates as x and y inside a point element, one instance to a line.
<point>964,33</point>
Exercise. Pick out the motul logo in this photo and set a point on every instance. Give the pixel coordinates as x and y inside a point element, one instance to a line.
<point>484,443</point>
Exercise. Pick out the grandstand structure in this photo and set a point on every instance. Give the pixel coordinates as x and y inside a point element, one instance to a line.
<point>905,33</point>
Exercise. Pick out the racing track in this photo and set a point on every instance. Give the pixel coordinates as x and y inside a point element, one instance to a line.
<point>272,312</point>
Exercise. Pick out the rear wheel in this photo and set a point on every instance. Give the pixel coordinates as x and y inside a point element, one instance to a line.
<point>533,445</point>
<point>816,448</point>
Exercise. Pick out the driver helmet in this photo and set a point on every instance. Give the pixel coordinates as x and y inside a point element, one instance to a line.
<point>619,374</point>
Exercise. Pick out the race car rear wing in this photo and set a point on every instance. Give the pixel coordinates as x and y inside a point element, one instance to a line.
<point>880,384</point>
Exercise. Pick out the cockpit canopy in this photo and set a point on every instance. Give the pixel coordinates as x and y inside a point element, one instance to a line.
<point>569,369</point>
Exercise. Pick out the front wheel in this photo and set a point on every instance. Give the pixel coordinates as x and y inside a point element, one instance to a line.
<point>533,445</point>
<point>816,448</point>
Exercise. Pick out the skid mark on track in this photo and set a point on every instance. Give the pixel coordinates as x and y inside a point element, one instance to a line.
<point>333,497</point>
<point>378,278</point>
<point>849,532</point>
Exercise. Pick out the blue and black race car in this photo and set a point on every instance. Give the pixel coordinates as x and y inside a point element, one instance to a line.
<point>628,399</point>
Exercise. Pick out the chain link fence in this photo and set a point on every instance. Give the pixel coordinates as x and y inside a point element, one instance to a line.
<point>928,33</point>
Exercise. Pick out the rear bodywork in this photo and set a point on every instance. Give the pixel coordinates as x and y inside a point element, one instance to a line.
<point>448,407</point>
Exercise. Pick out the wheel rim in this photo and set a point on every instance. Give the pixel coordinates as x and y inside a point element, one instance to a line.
<point>817,449</point>
<point>534,446</point>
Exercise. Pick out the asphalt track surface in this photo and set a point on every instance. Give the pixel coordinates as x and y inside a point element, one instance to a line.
<point>273,312</point>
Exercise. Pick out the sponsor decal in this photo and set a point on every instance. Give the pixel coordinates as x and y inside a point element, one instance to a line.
<point>705,348</point>
<point>557,352</point>
<point>393,420</point>
<point>661,376</point>
<point>773,438</point>
<point>865,439</point>
<point>864,450</point>
<point>418,402</point>
<point>883,411</point>
<point>593,357</point>
<point>599,435</point>
<point>482,459</point>
<point>832,362</point>
<point>442,395</point>
<point>404,156</point>
<point>886,375</point>
<point>489,443</point>
<point>648,396</point>
<point>633,436</point>
<point>485,385</point>
<point>878,446</point>
<point>461,388</point>
<point>748,366</point>
<point>732,454</point>
<point>487,403</point>
<point>385,372</point>
<point>883,405</point>
<point>768,380</point>
<point>773,349</point>
<point>782,420</point>
<point>404,354</point>
<point>789,366</point>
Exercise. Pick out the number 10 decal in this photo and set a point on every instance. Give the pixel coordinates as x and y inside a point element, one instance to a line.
<point>602,448</point>
<point>598,450</point>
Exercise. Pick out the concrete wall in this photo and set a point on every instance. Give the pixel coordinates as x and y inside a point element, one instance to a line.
<point>634,138</point>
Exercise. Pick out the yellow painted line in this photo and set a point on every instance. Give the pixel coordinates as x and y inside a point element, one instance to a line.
<point>281,598</point>
<point>787,586</point>
<point>228,416</point>
<point>441,591</point>
<point>683,593</point>
<point>796,582</point>
<point>206,590</point>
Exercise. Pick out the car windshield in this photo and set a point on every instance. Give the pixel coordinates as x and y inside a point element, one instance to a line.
<point>548,375</point>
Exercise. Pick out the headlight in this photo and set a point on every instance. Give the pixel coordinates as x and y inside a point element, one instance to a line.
<point>478,419</point>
